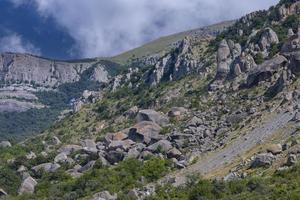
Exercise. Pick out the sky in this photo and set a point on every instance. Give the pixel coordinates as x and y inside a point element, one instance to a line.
<point>68,29</point>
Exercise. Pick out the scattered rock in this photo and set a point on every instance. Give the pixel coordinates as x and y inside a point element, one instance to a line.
<point>89,146</point>
<point>162,146</point>
<point>87,167</point>
<point>152,116</point>
<point>292,159</point>
<point>263,160</point>
<point>104,196</point>
<point>67,149</point>
<point>145,132</point>
<point>31,156</point>
<point>28,185</point>
<point>174,153</point>
<point>177,112</point>
<point>46,167</point>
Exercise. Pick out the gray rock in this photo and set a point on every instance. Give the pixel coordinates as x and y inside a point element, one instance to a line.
<point>263,160</point>
<point>125,145</point>
<point>162,146</point>
<point>5,144</point>
<point>174,153</point>
<point>114,157</point>
<point>31,156</point>
<point>145,131</point>
<point>46,167</point>
<point>177,112</point>
<point>275,149</point>
<point>89,146</point>
<point>268,38</point>
<point>152,116</point>
<point>132,112</point>
<point>133,153</point>
<point>28,185</point>
<point>61,158</point>
<point>87,166</point>
<point>292,160</point>
<point>67,149</point>
<point>105,195</point>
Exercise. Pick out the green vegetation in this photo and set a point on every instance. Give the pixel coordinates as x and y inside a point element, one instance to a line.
<point>125,176</point>
<point>284,185</point>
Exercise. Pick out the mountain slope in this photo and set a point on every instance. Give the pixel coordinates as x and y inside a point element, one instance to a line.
<point>224,108</point>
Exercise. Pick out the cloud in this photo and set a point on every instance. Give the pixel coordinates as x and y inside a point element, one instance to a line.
<point>104,28</point>
<point>15,43</point>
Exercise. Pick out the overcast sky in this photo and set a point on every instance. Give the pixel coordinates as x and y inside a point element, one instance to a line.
<point>108,27</point>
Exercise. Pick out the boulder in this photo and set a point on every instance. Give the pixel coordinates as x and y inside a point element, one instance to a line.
<point>87,166</point>
<point>275,149</point>
<point>145,131</point>
<point>89,146</point>
<point>133,153</point>
<point>162,146</point>
<point>28,185</point>
<point>105,195</point>
<point>46,167</point>
<point>114,156</point>
<point>152,116</point>
<point>292,160</point>
<point>263,160</point>
<point>174,153</point>
<point>125,145</point>
<point>4,144</point>
<point>120,136</point>
<point>61,158</point>
<point>67,149</point>
<point>265,71</point>
<point>268,37</point>
<point>132,112</point>
<point>177,112</point>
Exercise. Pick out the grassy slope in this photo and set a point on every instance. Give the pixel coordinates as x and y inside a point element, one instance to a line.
<point>166,43</point>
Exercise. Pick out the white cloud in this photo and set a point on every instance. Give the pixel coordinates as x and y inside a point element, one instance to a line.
<point>15,43</point>
<point>107,27</point>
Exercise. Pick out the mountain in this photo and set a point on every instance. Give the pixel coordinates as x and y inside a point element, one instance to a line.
<point>47,89</point>
<point>214,117</point>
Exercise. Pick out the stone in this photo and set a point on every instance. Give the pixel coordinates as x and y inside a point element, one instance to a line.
<point>89,146</point>
<point>133,153</point>
<point>61,158</point>
<point>114,157</point>
<point>27,186</point>
<point>263,160</point>
<point>152,116</point>
<point>223,59</point>
<point>174,153</point>
<point>87,166</point>
<point>162,146</point>
<point>5,144</point>
<point>177,112</point>
<point>105,195</point>
<point>119,136</point>
<point>275,149</point>
<point>31,156</point>
<point>46,167</point>
<point>145,131</point>
<point>67,149</point>
<point>132,112</point>
<point>268,37</point>
<point>292,160</point>
<point>125,145</point>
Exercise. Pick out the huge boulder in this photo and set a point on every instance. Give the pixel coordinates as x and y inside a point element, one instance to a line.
<point>28,185</point>
<point>268,38</point>
<point>145,131</point>
<point>152,116</point>
<point>265,71</point>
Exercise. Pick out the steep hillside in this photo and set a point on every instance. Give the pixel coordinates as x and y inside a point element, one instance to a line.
<point>34,91</point>
<point>213,118</point>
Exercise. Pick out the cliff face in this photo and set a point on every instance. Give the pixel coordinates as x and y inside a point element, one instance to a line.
<point>23,68</point>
